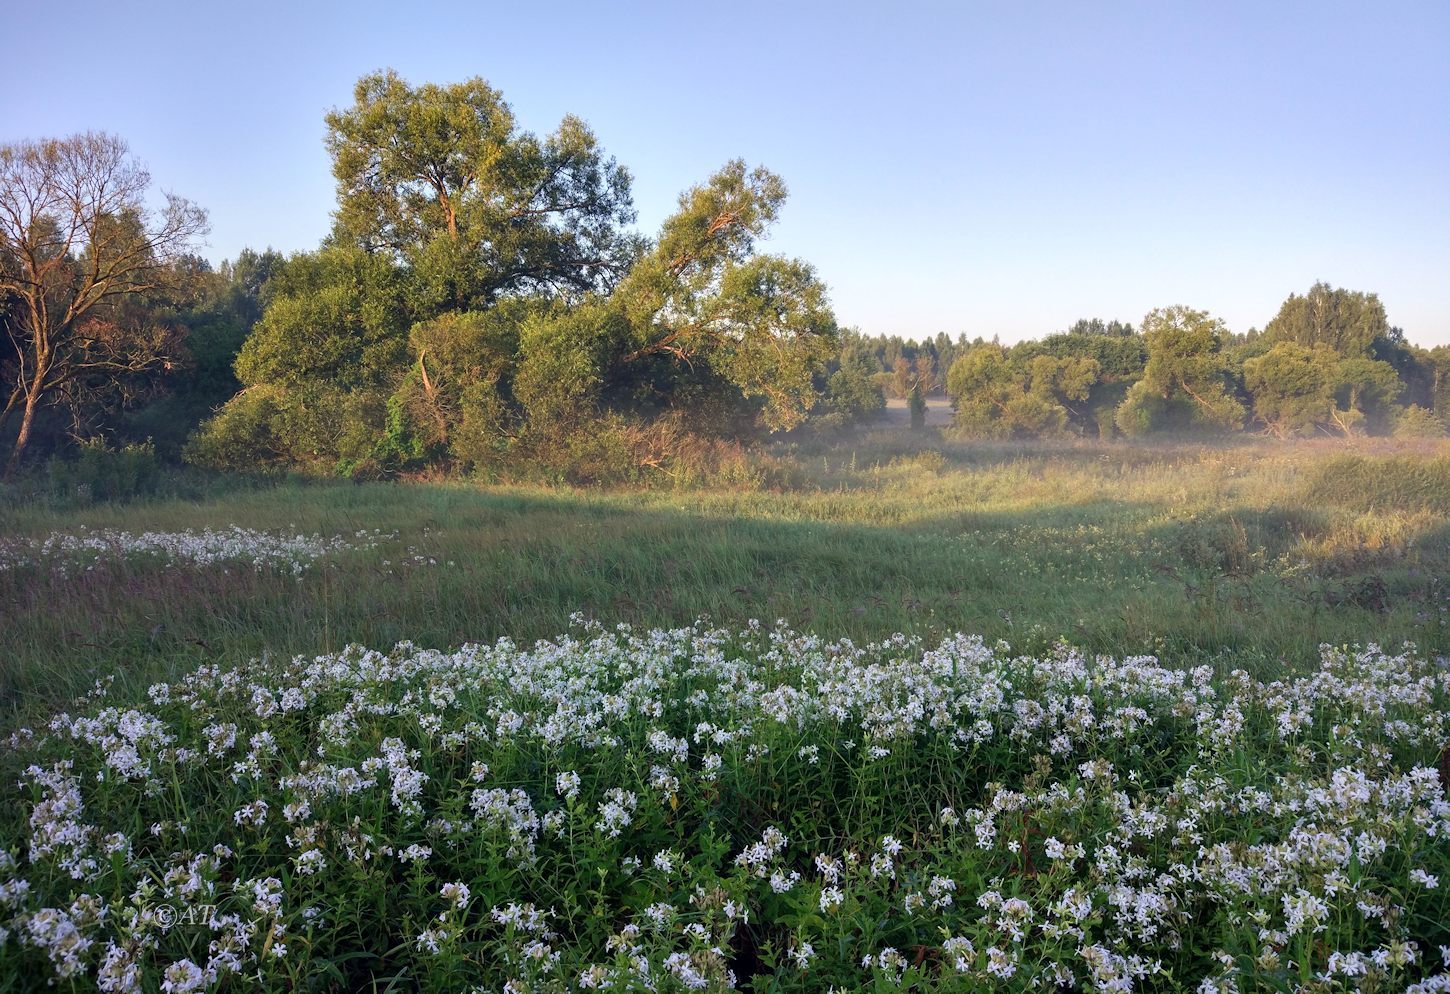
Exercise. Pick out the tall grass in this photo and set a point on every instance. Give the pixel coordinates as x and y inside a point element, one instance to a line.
<point>1249,554</point>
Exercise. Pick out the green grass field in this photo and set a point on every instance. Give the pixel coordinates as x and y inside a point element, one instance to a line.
<point>1246,555</point>
<point>742,807</point>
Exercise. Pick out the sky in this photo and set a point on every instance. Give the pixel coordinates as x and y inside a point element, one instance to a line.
<point>994,169</point>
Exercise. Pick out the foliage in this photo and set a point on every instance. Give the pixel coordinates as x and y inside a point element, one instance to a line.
<point>563,357</point>
<point>916,404</point>
<point>760,321</point>
<point>1368,387</point>
<point>1298,390</point>
<point>998,395</point>
<point>441,177</point>
<point>852,392</point>
<point>97,472</point>
<point>480,298</point>
<point>505,260</point>
<point>272,428</point>
<point>1417,422</point>
<point>701,808</point>
<point>1097,326</point>
<point>1293,388</point>
<point>1345,322</point>
<point>1185,383</point>
<point>1119,356</point>
<point>457,397</point>
<point>337,317</point>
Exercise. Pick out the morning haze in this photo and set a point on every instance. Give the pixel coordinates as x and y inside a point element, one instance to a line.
<point>773,498</point>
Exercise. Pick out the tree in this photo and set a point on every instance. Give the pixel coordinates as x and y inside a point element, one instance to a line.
<point>916,403</point>
<point>1418,422</point>
<point>1347,322</point>
<point>902,376</point>
<point>77,243</point>
<point>997,396</point>
<point>1097,326</point>
<point>1185,383</point>
<point>457,394</point>
<point>319,368</point>
<point>337,317</point>
<point>761,322</point>
<point>478,291</point>
<point>1365,392</point>
<point>1292,387</point>
<point>852,392</point>
<point>441,177</point>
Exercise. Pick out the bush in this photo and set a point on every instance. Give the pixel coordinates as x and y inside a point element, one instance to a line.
<point>318,430</point>
<point>612,449</point>
<point>917,405</point>
<point>243,435</point>
<point>97,473</point>
<point>1418,422</point>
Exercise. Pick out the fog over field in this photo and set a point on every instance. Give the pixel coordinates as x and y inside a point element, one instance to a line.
<point>798,501</point>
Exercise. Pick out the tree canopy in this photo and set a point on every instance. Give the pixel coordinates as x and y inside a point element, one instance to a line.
<point>484,302</point>
<point>442,177</point>
<point>482,293</point>
<point>1185,383</point>
<point>1346,322</point>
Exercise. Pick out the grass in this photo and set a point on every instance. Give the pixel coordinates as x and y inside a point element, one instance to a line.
<point>1248,554</point>
<point>616,807</point>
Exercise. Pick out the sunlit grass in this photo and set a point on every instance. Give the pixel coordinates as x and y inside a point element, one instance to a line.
<point>1230,554</point>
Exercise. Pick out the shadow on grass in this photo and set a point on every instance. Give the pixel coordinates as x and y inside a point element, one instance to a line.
<point>1107,576</point>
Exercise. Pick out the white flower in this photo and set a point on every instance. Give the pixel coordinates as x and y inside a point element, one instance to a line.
<point>456,894</point>
<point>182,977</point>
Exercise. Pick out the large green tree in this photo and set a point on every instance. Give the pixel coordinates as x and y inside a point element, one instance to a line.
<point>1348,322</point>
<point>1185,383</point>
<point>481,288</point>
<point>1293,388</point>
<point>442,177</point>
<point>702,298</point>
<point>997,395</point>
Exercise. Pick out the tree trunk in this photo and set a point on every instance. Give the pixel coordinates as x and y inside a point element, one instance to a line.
<point>26,419</point>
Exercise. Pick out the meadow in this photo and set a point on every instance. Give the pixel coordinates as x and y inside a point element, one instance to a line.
<point>1249,554</point>
<point>1054,716</point>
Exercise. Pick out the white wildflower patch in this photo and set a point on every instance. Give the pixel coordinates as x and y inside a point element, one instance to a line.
<point>688,809</point>
<point>88,549</point>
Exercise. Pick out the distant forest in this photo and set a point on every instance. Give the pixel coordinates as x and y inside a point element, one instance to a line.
<point>1328,364</point>
<point>483,303</point>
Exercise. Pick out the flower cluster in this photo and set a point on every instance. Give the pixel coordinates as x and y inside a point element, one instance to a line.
<point>697,808</point>
<point>69,553</point>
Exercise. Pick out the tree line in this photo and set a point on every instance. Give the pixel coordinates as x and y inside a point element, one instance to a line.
<point>1329,363</point>
<point>483,301</point>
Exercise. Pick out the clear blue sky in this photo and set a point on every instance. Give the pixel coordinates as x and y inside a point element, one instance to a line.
<point>996,168</point>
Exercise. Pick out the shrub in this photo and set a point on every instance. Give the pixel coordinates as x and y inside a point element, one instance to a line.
<point>917,405</point>
<point>97,473</point>
<point>1418,422</point>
